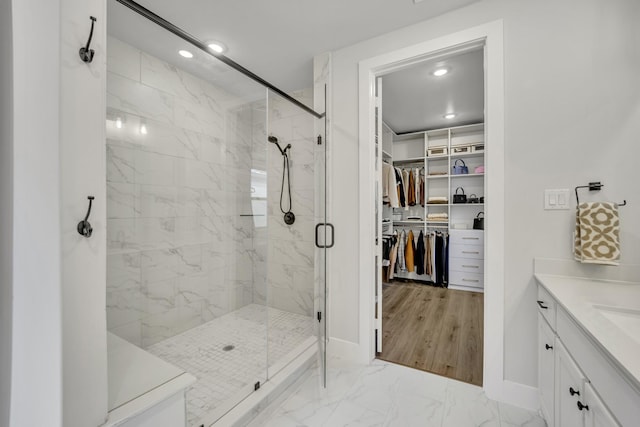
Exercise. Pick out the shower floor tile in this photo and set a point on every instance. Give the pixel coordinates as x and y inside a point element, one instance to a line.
<point>224,376</point>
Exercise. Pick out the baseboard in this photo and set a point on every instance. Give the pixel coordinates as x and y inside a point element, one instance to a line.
<point>345,350</point>
<point>520,395</point>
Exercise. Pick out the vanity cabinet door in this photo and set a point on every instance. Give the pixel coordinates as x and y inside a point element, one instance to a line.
<point>596,413</point>
<point>546,361</point>
<point>569,390</point>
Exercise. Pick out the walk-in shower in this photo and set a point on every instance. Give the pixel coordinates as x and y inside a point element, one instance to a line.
<point>203,270</point>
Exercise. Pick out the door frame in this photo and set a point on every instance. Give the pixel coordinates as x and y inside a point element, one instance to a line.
<point>491,36</point>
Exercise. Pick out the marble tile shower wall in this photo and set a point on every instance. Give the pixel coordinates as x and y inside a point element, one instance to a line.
<point>291,247</point>
<point>179,253</point>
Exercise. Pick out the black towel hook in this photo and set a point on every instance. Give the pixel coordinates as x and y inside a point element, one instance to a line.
<point>86,54</point>
<point>84,228</point>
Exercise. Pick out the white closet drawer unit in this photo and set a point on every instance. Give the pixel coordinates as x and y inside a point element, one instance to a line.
<point>466,237</point>
<point>473,280</point>
<point>466,251</point>
<point>467,265</point>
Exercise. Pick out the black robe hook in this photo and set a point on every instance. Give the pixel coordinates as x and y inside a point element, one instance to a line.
<point>86,54</point>
<point>84,228</point>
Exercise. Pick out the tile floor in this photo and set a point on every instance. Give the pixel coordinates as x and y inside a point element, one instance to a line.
<point>222,375</point>
<point>384,394</point>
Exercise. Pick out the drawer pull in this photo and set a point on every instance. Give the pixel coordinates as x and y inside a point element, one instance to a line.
<point>471,266</point>
<point>541,304</point>
<point>573,392</point>
<point>470,280</point>
<point>548,347</point>
<point>581,406</point>
<point>470,252</point>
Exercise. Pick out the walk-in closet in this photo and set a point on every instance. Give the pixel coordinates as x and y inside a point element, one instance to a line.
<point>431,148</point>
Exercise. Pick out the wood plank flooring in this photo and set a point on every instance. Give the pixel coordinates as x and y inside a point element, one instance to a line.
<point>433,329</point>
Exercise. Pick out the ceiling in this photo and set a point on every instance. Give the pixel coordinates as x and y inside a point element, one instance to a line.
<point>413,99</point>
<point>275,39</point>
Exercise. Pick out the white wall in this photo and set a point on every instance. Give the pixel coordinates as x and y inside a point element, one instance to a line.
<point>82,167</point>
<point>36,377</point>
<point>572,116</point>
<point>6,201</point>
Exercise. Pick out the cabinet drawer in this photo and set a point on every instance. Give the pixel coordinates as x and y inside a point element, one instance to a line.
<point>466,279</point>
<point>466,237</point>
<point>547,306</point>
<point>466,251</point>
<point>546,370</point>
<point>466,265</point>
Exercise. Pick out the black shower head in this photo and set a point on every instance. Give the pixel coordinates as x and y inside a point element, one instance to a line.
<point>272,139</point>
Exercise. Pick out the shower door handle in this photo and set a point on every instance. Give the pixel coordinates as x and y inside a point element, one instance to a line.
<point>326,224</point>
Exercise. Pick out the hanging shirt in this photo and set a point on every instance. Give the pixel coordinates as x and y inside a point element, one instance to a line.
<point>405,184</point>
<point>400,187</point>
<point>401,251</point>
<point>409,253</point>
<point>411,191</point>
<point>389,186</point>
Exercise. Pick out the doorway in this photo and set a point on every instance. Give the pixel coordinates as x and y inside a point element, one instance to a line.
<point>490,37</point>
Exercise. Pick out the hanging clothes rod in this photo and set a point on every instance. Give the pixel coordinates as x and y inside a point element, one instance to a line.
<point>594,186</point>
<point>141,10</point>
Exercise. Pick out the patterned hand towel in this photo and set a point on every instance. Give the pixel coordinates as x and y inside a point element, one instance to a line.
<point>597,235</point>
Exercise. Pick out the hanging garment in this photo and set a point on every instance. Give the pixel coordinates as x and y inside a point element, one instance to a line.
<point>405,181</point>
<point>411,191</point>
<point>389,186</point>
<point>427,255</point>
<point>422,189</point>
<point>409,253</point>
<point>439,260</point>
<point>420,254</point>
<point>393,256</point>
<point>446,260</point>
<point>416,180</point>
<point>400,187</point>
<point>401,251</point>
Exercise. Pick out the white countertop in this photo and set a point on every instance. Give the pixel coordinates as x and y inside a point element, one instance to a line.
<point>608,311</point>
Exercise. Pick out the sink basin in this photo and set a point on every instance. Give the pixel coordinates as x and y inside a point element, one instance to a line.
<point>627,319</point>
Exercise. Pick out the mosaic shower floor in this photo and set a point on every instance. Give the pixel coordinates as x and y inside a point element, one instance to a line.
<point>225,376</point>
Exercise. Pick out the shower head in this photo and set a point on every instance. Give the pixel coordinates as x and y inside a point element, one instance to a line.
<point>272,139</point>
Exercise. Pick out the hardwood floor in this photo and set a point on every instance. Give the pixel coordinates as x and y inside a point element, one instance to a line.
<point>433,329</point>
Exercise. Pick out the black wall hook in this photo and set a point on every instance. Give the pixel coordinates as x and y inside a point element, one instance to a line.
<point>86,54</point>
<point>84,228</point>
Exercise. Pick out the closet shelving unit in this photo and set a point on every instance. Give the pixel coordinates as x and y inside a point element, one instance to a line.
<point>412,150</point>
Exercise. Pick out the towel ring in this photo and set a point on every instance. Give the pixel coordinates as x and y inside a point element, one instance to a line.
<point>594,186</point>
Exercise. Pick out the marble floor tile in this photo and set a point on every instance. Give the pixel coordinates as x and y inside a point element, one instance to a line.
<point>384,394</point>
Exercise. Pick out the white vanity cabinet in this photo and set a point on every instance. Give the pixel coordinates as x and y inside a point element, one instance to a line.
<point>568,397</point>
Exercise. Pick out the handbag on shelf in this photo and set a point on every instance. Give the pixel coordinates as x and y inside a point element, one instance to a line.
<point>459,198</point>
<point>478,222</point>
<point>459,169</point>
<point>472,199</point>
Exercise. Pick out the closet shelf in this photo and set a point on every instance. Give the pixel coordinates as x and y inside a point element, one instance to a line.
<point>437,176</point>
<point>472,154</point>
<point>410,160</point>
<point>466,175</point>
<point>467,204</point>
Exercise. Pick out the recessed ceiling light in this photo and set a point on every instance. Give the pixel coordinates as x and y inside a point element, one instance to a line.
<point>143,129</point>
<point>440,72</point>
<point>449,115</point>
<point>217,46</point>
<point>185,53</point>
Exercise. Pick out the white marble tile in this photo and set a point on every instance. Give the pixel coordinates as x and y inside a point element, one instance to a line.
<point>153,201</point>
<point>131,332</point>
<point>159,264</point>
<point>349,414</point>
<point>123,59</point>
<point>192,289</point>
<point>155,233</point>
<point>163,76</point>
<point>121,235</point>
<point>299,302</point>
<point>120,164</point>
<point>194,231</point>
<point>414,411</point>
<point>123,271</point>
<point>120,200</point>
<point>164,325</point>
<point>153,169</point>
<point>192,116</point>
<point>135,98</point>
<point>291,252</point>
<point>190,202</point>
<point>160,296</point>
<point>301,230</point>
<point>125,306</point>
<point>467,405</point>
<point>198,174</point>
<point>514,416</point>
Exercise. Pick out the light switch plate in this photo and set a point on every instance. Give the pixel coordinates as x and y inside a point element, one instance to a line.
<point>557,199</point>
